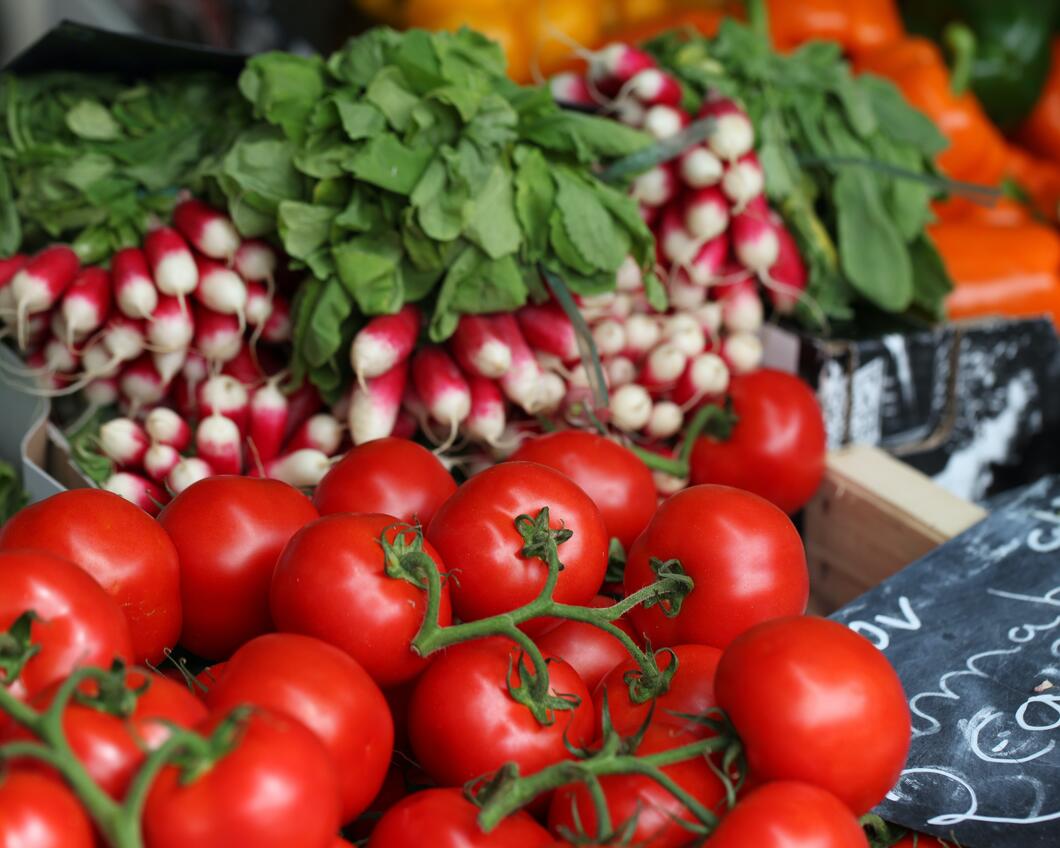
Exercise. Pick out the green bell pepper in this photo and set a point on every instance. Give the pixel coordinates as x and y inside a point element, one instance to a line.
<point>1011,57</point>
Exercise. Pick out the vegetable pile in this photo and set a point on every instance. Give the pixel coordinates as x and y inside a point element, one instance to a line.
<point>408,168</point>
<point>328,655</point>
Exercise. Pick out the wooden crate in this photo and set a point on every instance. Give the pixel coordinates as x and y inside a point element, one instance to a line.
<point>872,516</point>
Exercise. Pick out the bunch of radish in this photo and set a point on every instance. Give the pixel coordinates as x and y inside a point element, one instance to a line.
<point>185,335</point>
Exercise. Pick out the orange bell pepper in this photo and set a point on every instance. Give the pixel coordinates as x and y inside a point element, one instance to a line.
<point>537,36</point>
<point>1006,212</point>
<point>1000,270</point>
<point>977,151</point>
<point>858,25</point>
<point>704,21</point>
<point>1041,131</point>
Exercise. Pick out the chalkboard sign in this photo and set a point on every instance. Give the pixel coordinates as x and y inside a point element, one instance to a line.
<point>973,629</point>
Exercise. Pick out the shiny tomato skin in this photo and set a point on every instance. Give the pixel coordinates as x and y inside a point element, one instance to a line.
<point>122,547</point>
<point>475,532</point>
<point>616,479</point>
<point>813,701</point>
<point>391,476</point>
<point>464,723</point>
<point>795,815</point>
<point>331,583</point>
<point>229,532</point>
<point>328,692</point>
<point>590,651</point>
<point>691,692</point>
<point>111,747</point>
<point>275,788</point>
<point>630,795</point>
<point>78,622</point>
<point>920,840</point>
<point>37,811</point>
<point>744,555</point>
<point>777,447</point>
<point>443,818</point>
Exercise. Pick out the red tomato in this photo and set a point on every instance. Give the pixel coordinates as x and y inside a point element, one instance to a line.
<point>475,532</point>
<point>629,796</point>
<point>111,746</point>
<point>118,544</point>
<point>78,624</point>
<point>275,788</point>
<point>331,583</point>
<point>390,476</point>
<point>777,447</point>
<point>320,686</point>
<point>691,692</point>
<point>443,818</point>
<point>37,811</point>
<point>589,650</point>
<point>229,532</point>
<point>813,701</point>
<point>795,815</point>
<point>743,553</point>
<point>619,483</point>
<point>464,723</point>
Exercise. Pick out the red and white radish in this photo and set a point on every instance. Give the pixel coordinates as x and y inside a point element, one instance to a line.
<point>134,290</point>
<point>630,407</point>
<point>665,420</point>
<point>741,310</point>
<point>221,289</point>
<point>662,367</point>
<point>211,232</point>
<point>60,357</point>
<point>786,279</point>
<point>166,427</point>
<point>733,133</point>
<point>225,395</point>
<point>259,304</point>
<point>547,329</point>
<point>187,472</point>
<point>487,419</point>
<point>40,283</point>
<point>571,89</point>
<point>629,278</point>
<point>653,87</point>
<point>124,441</point>
<point>642,334</point>
<point>676,243</point>
<point>267,422</point>
<point>709,263</point>
<point>479,347</point>
<point>101,392</point>
<point>375,406</point>
<point>141,383</point>
<point>705,376</point>
<point>255,261</point>
<point>619,370</point>
<point>171,326</point>
<point>664,122</point>
<point>322,432</point>
<point>743,352</point>
<point>550,392</point>
<point>160,460</point>
<point>169,364</point>
<point>683,331</point>
<point>138,490</point>
<point>218,441</point>
<point>218,337</point>
<point>743,181</point>
<point>706,213</point>
<point>520,383</point>
<point>609,336</point>
<point>615,64</point>
<point>655,187</point>
<point>754,239</point>
<point>302,469</point>
<point>171,262</point>
<point>384,342</point>
<point>441,386</point>
<point>86,303</point>
<point>709,317</point>
<point>698,167</point>
<point>278,325</point>
<point>684,296</point>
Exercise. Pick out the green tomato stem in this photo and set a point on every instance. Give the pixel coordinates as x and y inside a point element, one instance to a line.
<point>516,791</point>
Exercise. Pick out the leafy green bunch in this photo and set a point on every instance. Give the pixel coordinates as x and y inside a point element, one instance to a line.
<point>407,167</point>
<point>90,157</point>
<point>847,161</point>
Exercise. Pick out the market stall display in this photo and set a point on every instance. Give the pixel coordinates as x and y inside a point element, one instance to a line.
<point>439,441</point>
